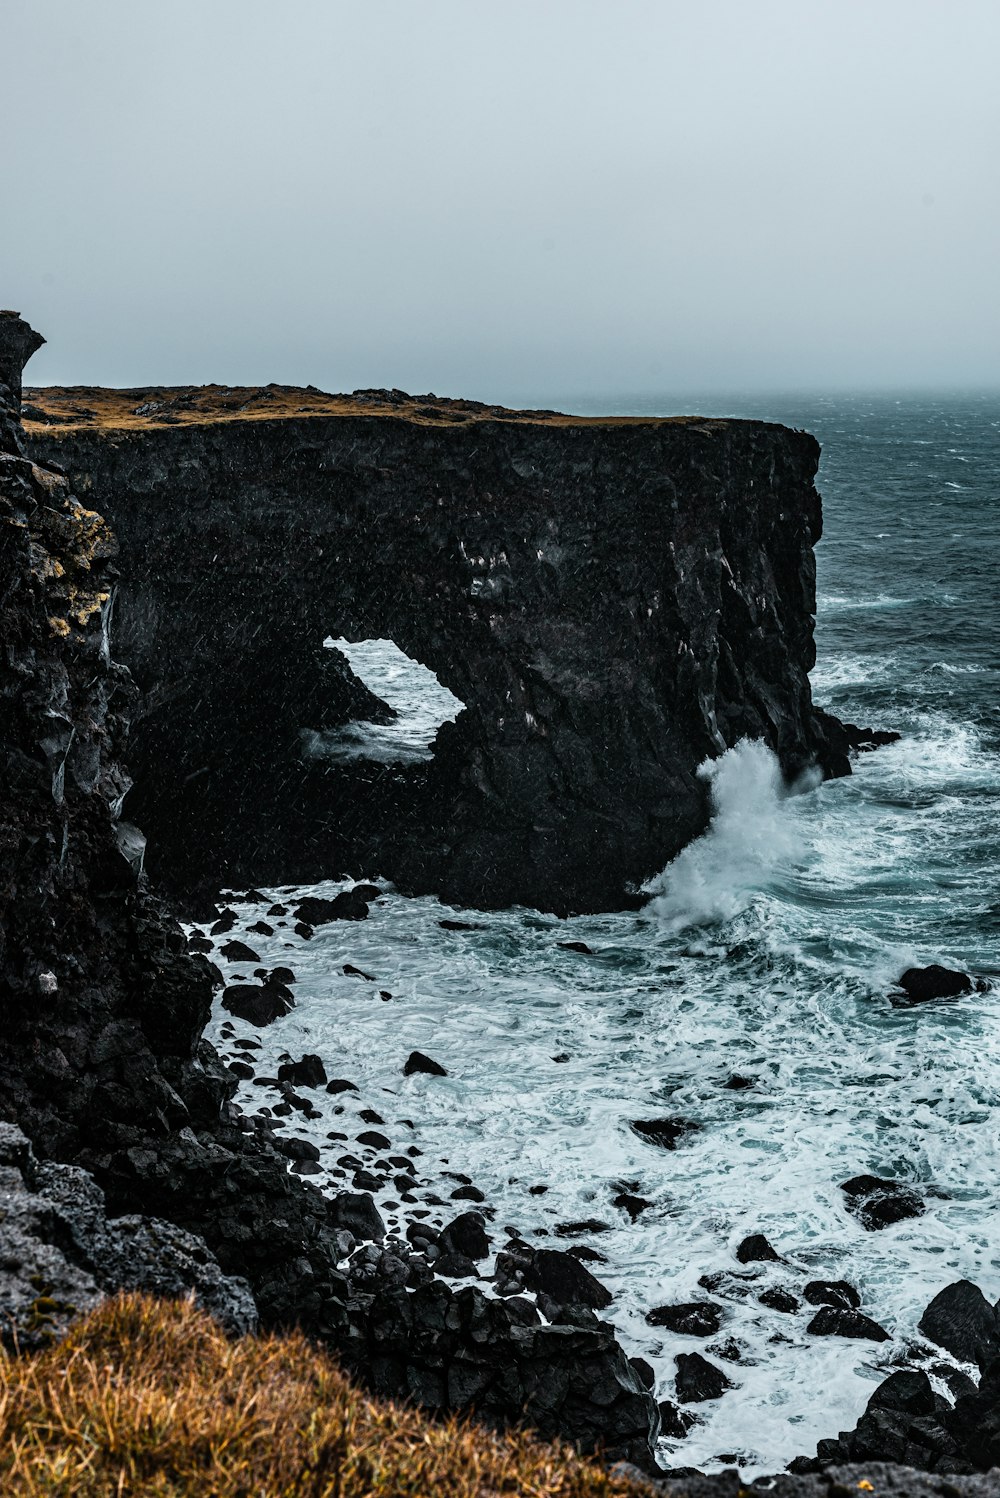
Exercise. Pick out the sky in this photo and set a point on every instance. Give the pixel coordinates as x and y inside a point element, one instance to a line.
<point>522,200</point>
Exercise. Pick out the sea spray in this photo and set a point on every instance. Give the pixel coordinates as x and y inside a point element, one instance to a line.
<point>750,837</point>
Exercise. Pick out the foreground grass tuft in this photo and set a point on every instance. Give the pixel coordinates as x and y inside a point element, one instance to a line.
<point>147,1397</point>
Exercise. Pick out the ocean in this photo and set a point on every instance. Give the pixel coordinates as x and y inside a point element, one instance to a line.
<point>768,952</point>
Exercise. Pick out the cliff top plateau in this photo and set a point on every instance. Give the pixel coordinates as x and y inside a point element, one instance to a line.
<point>72,407</point>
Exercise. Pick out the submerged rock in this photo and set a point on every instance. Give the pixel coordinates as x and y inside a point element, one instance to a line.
<point>664,1132</point>
<point>878,1203</point>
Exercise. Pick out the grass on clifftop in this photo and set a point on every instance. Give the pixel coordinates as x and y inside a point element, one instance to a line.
<point>148,1397</point>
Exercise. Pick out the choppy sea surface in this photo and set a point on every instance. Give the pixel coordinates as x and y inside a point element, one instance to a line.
<point>768,952</point>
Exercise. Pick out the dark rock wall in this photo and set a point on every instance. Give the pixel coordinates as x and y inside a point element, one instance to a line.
<point>102,1061</point>
<point>613,603</point>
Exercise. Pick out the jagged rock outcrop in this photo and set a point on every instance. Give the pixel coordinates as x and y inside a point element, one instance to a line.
<point>61,1253</point>
<point>613,601</point>
<point>102,1062</point>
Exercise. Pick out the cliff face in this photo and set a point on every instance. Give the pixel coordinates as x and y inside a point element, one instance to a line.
<point>612,601</point>
<point>103,1065</point>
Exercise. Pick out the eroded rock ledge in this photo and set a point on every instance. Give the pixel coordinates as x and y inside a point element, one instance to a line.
<point>613,601</point>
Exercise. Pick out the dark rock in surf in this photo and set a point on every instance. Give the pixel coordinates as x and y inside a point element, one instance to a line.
<point>448,925</point>
<point>922,984</point>
<point>837,1293</point>
<point>696,1318</point>
<point>349,905</point>
<point>456,1266</point>
<point>417,1063</point>
<point>258,1004</point>
<point>832,1321</point>
<point>296,1149</point>
<point>697,1379</point>
<point>779,1298</point>
<point>373,1139</point>
<point>261,928</point>
<point>309,1071</point>
<point>350,971</point>
<point>757,1250</point>
<point>674,1422</point>
<point>625,1201</point>
<point>961,1320</point>
<point>582,1228</point>
<point>663,1132</point>
<point>467,1194</point>
<point>878,1203</point>
<point>466,1235</point>
<point>576,946</point>
<point>340,1084</point>
<point>238,951</point>
<point>645,1372</point>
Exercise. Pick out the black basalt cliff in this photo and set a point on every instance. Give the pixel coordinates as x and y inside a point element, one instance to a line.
<point>123,1159</point>
<point>613,602</point>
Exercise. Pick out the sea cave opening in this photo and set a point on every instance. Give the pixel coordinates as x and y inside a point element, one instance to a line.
<point>418,705</point>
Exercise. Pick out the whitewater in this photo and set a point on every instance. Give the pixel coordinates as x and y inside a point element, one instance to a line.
<point>767,952</point>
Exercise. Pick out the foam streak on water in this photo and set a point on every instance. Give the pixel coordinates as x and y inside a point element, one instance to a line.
<point>768,950</point>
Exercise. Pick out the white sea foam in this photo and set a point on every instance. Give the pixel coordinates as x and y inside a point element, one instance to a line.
<point>749,838</point>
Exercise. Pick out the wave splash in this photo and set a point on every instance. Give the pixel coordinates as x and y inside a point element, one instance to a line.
<point>749,838</point>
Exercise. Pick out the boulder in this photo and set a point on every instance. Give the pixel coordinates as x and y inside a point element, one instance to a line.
<point>756,1250</point>
<point>878,1203</point>
<point>259,1004</point>
<point>565,1279</point>
<point>349,905</point>
<point>697,1379</point>
<point>961,1320</point>
<point>417,1063</point>
<point>832,1293</point>
<point>466,1235</point>
<point>308,1071</point>
<point>921,984</point>
<point>696,1318</point>
<point>832,1321</point>
<point>238,951</point>
<point>358,1214</point>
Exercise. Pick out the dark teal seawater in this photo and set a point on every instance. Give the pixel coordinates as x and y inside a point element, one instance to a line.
<point>770,950</point>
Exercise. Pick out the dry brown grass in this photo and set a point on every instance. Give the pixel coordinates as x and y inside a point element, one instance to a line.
<point>148,1398</point>
<point>75,407</point>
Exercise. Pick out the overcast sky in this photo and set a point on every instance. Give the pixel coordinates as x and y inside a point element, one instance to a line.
<point>528,198</point>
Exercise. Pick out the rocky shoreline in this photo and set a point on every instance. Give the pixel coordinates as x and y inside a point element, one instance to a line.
<point>130,1159</point>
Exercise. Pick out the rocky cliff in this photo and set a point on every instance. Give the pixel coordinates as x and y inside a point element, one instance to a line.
<point>131,1130</point>
<point>612,601</point>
